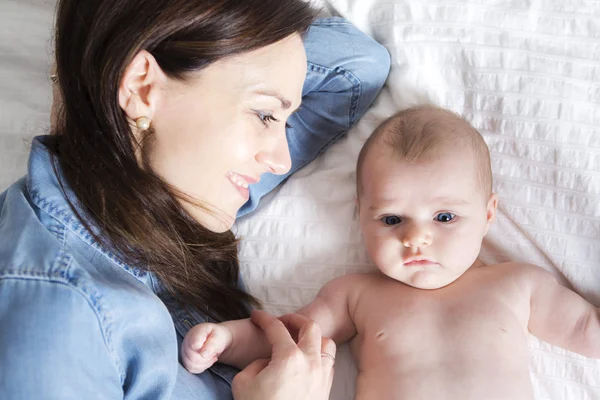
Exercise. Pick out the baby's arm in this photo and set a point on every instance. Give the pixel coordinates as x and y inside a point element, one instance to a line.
<point>236,343</point>
<point>562,317</point>
<point>333,308</point>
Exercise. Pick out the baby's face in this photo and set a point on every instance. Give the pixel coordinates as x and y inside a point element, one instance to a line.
<point>424,222</point>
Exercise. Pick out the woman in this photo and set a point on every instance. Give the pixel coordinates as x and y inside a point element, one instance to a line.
<point>117,241</point>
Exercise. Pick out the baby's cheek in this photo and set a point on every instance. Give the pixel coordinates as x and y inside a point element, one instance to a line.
<point>469,251</point>
<point>381,249</point>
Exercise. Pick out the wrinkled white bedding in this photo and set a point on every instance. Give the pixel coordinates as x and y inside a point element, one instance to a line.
<point>525,72</point>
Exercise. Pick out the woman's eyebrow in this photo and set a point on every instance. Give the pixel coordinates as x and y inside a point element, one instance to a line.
<point>284,102</point>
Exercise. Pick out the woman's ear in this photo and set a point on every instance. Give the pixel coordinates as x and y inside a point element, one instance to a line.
<point>139,93</point>
<point>492,207</point>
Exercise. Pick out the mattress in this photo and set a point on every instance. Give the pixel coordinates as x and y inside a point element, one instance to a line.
<point>526,73</point>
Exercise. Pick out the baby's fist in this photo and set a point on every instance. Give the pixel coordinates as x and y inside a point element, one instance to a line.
<point>203,345</point>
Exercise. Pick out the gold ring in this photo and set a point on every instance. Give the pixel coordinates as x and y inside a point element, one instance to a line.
<point>327,355</point>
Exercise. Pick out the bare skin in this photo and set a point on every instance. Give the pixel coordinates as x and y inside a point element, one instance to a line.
<point>434,322</point>
<point>467,340</point>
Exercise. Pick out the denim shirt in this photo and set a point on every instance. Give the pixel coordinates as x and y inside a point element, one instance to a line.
<point>76,323</point>
<point>64,326</point>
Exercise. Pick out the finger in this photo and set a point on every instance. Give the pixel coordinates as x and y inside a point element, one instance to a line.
<point>293,323</point>
<point>275,331</point>
<point>215,343</point>
<point>328,351</point>
<point>309,339</point>
<point>195,363</point>
<point>196,337</point>
<point>250,372</point>
<point>330,379</point>
<point>246,379</point>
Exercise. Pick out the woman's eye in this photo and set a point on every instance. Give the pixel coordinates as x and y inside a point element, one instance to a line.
<point>266,119</point>
<point>391,220</point>
<point>444,217</point>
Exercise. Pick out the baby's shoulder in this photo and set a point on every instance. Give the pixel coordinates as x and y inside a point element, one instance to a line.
<point>351,283</point>
<point>355,279</point>
<point>523,274</point>
<point>517,268</point>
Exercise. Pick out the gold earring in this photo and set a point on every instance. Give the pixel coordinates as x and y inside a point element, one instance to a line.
<point>142,123</point>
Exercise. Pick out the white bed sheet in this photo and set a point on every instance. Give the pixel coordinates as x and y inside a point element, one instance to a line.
<point>525,72</point>
<point>25,93</point>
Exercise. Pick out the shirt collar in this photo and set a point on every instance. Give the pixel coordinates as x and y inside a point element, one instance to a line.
<point>44,180</point>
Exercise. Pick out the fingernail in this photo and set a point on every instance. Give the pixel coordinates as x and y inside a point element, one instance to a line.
<point>205,354</point>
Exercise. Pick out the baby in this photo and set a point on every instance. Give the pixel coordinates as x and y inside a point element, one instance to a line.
<point>434,322</point>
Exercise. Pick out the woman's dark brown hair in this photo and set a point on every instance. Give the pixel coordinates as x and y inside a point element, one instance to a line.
<point>139,216</point>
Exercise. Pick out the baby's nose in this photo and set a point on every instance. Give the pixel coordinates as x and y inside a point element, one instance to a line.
<point>417,238</point>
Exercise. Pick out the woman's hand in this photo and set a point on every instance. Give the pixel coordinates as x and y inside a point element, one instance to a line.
<point>296,371</point>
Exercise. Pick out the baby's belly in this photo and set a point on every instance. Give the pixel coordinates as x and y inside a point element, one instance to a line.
<point>492,368</point>
<point>444,383</point>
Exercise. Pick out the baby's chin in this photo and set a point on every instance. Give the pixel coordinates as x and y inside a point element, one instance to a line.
<point>427,280</point>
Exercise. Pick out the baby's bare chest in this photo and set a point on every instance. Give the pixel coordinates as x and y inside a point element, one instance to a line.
<point>394,320</point>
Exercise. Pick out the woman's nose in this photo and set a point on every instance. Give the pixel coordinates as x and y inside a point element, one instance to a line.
<point>417,237</point>
<point>277,159</point>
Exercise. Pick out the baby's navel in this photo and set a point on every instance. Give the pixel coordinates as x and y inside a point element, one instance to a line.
<point>381,335</point>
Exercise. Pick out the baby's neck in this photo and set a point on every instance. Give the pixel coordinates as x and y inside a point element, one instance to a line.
<point>478,263</point>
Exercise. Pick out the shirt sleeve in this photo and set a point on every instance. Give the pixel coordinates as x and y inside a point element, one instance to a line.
<point>52,344</point>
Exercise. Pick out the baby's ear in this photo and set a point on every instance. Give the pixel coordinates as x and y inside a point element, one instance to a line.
<point>492,207</point>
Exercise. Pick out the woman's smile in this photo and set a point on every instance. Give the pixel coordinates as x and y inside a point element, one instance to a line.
<point>241,183</point>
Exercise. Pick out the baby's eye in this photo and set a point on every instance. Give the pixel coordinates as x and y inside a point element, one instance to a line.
<point>444,217</point>
<point>391,220</point>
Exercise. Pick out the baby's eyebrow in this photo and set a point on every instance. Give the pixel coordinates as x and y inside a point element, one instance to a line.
<point>450,201</point>
<point>380,204</point>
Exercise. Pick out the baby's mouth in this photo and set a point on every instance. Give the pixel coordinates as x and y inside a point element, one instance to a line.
<point>419,262</point>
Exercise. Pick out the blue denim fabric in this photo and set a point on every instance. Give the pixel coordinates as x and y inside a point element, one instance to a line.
<point>76,323</point>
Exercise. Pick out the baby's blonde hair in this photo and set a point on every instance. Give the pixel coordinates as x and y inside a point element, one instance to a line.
<point>416,133</point>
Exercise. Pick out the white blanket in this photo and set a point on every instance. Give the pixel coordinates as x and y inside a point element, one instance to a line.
<point>525,72</point>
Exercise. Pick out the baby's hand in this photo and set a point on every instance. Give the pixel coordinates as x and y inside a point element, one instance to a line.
<point>202,346</point>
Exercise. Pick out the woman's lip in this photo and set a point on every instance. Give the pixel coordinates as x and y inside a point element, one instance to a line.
<point>248,179</point>
<point>245,192</point>
<point>240,183</point>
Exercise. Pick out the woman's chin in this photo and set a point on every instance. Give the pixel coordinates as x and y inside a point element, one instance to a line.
<point>217,221</point>
<point>218,225</point>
